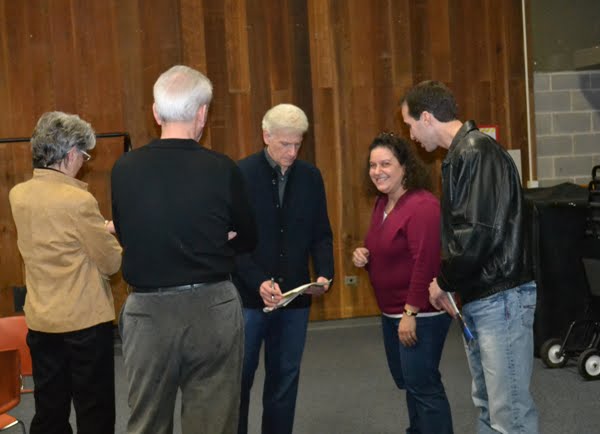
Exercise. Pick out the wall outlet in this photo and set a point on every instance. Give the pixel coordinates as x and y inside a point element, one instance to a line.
<point>351,280</point>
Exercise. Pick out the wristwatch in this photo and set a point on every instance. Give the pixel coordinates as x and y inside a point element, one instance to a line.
<point>410,312</point>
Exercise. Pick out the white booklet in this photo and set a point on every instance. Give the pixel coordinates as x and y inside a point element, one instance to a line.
<point>287,297</point>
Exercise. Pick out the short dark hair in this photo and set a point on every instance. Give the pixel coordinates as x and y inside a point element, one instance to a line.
<point>433,97</point>
<point>416,175</point>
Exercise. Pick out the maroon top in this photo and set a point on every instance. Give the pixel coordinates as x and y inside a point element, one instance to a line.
<point>404,251</point>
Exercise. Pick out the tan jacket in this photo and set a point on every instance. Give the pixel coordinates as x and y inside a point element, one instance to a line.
<point>67,251</point>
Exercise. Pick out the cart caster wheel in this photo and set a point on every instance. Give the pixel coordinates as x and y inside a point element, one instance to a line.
<point>549,354</point>
<point>588,364</point>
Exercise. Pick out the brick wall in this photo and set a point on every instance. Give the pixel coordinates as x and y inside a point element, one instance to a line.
<point>567,116</point>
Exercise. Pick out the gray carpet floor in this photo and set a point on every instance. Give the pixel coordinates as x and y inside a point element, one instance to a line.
<point>345,388</point>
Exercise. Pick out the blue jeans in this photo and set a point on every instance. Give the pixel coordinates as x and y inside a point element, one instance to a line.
<point>501,360</point>
<point>416,369</point>
<point>284,334</point>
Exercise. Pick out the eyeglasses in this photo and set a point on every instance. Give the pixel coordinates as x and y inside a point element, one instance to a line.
<point>86,156</point>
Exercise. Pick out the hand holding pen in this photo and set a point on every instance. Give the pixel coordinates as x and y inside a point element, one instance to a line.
<point>443,300</point>
<point>469,338</point>
<point>438,299</point>
<point>270,292</point>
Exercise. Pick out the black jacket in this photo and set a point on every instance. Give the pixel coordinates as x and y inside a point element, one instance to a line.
<point>288,235</point>
<point>484,245</point>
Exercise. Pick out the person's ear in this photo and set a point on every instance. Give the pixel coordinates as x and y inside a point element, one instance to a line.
<point>155,114</point>
<point>70,157</point>
<point>426,116</point>
<point>266,137</point>
<point>202,115</point>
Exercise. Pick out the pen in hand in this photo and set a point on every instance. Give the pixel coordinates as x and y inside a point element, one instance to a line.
<point>272,288</point>
<point>469,338</point>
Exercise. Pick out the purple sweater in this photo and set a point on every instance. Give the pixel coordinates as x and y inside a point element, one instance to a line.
<point>404,251</point>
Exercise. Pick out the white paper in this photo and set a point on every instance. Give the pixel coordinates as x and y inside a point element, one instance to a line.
<point>287,297</point>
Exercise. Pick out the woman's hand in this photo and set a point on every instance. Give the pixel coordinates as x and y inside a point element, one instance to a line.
<point>110,227</point>
<point>360,257</point>
<point>407,330</point>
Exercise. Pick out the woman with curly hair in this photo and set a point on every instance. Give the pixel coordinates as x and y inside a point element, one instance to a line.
<point>402,256</point>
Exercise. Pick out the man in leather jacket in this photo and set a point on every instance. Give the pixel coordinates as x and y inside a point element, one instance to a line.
<point>484,257</point>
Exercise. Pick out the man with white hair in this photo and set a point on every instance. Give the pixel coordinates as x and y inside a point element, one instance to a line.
<point>291,211</point>
<point>181,213</point>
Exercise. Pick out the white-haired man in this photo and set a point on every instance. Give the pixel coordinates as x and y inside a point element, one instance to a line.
<point>181,213</point>
<point>291,210</point>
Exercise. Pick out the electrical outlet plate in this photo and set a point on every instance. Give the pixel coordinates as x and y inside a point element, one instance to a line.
<point>351,280</point>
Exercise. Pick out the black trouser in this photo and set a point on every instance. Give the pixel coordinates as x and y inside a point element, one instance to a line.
<point>77,365</point>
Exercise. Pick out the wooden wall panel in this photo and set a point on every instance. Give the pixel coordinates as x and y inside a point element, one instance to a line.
<point>250,49</point>
<point>236,46</point>
<point>135,91</point>
<point>352,92</point>
<point>64,64</point>
<point>345,62</point>
<point>71,56</point>
<point>15,166</point>
<point>193,37</point>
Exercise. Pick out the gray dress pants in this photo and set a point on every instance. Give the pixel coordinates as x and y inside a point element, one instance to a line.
<point>193,340</point>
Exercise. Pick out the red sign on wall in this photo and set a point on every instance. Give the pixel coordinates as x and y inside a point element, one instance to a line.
<point>490,130</point>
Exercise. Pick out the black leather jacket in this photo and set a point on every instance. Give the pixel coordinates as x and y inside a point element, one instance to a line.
<point>484,245</point>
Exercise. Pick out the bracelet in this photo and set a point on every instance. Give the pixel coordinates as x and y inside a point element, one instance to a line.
<point>410,312</point>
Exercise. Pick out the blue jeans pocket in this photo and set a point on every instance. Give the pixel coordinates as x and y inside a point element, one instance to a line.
<point>527,301</point>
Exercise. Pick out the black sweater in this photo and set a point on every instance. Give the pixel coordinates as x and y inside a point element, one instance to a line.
<point>288,235</point>
<point>173,204</point>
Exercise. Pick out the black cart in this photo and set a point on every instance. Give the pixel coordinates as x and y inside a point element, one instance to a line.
<point>582,339</point>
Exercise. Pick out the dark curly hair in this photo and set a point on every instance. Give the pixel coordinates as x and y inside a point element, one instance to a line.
<point>416,175</point>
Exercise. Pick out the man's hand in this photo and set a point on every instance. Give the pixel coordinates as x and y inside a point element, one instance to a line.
<point>270,293</point>
<point>439,299</point>
<point>318,290</point>
<point>231,235</point>
<point>360,257</point>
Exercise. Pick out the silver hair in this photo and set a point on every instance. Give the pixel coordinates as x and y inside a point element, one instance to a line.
<point>180,92</point>
<point>55,134</point>
<point>285,117</point>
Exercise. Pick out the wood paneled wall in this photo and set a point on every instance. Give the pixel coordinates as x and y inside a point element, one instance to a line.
<point>345,62</point>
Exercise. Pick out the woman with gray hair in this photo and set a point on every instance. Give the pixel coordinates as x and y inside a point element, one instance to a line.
<point>56,134</point>
<point>69,255</point>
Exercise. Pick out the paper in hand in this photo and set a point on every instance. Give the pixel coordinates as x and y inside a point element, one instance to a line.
<point>287,297</point>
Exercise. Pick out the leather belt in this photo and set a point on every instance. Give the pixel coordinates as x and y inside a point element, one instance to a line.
<point>180,287</point>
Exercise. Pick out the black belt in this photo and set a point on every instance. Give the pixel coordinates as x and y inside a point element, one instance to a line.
<point>181,287</point>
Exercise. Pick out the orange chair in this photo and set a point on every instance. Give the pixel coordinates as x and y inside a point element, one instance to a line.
<point>10,388</point>
<point>13,334</point>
